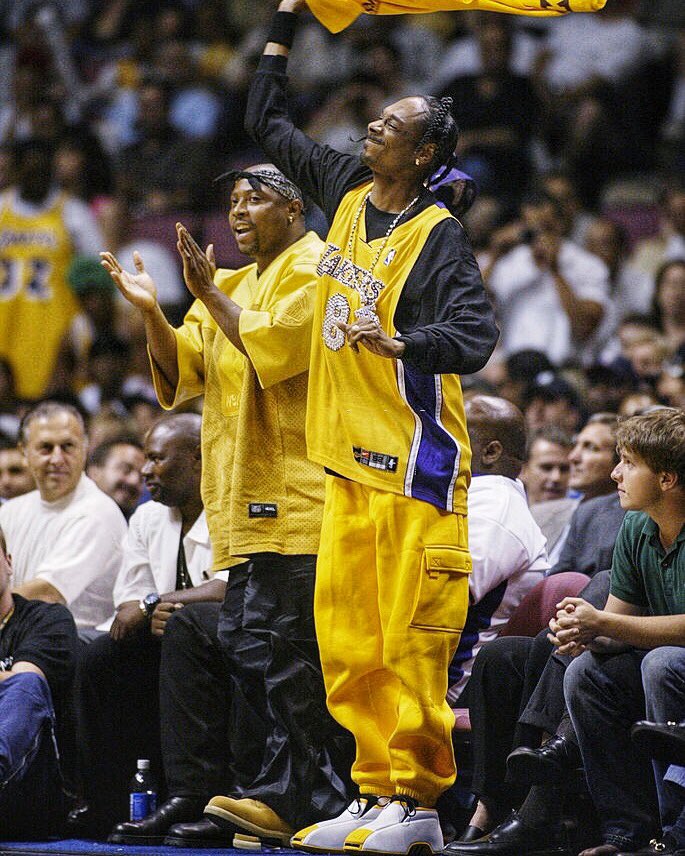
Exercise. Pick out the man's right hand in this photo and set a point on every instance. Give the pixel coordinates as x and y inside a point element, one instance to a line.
<point>139,288</point>
<point>128,620</point>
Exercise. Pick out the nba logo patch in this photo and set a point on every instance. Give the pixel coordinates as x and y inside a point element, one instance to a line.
<point>389,257</point>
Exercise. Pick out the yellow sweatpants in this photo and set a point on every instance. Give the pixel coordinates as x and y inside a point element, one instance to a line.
<point>390,602</point>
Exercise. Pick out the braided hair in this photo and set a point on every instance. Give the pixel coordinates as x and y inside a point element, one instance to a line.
<point>441,129</point>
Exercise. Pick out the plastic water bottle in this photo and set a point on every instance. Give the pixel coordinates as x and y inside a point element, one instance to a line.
<point>142,792</point>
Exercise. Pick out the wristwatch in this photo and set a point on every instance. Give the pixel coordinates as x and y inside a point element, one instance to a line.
<point>148,603</point>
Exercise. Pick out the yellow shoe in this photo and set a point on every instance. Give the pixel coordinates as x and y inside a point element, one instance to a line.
<point>250,816</point>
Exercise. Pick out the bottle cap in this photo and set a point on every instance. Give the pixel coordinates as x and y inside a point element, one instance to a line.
<point>143,764</point>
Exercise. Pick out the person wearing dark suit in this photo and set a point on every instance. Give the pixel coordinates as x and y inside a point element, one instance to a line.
<point>592,532</point>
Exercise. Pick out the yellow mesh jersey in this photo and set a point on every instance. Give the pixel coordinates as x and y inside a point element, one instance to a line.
<point>260,492</point>
<point>376,420</point>
<point>338,14</point>
<point>36,303</point>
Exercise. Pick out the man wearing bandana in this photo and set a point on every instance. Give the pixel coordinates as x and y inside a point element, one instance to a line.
<point>245,346</point>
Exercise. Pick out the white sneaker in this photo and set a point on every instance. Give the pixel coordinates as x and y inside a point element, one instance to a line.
<point>329,835</point>
<point>399,828</point>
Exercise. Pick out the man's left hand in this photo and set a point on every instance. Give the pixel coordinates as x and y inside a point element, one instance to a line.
<point>373,337</point>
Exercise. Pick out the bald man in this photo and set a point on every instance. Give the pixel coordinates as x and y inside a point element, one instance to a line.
<point>507,546</point>
<point>167,563</point>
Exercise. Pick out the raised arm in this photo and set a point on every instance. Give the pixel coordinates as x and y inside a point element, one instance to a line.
<point>140,291</point>
<point>321,172</point>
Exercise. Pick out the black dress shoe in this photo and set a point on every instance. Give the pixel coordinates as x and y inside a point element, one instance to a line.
<point>471,833</point>
<point>667,846</point>
<point>153,828</point>
<point>544,765</point>
<point>84,822</point>
<point>201,833</point>
<point>512,838</point>
<point>664,741</point>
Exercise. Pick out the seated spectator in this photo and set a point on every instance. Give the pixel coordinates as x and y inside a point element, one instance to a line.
<point>630,657</point>
<point>108,365</point>
<point>95,294</point>
<point>630,289</point>
<point>506,545</point>
<point>551,400</point>
<point>551,294</point>
<point>517,698</point>
<point>38,648</point>
<point>651,253</point>
<point>116,468</point>
<point>576,219</point>
<point>65,537</point>
<point>522,369</point>
<point>669,301</point>
<point>497,112</point>
<point>166,564</point>
<point>546,470</point>
<point>591,460</point>
<point>161,171</point>
<point>15,477</point>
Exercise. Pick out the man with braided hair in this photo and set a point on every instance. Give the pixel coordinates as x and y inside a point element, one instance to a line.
<point>401,312</point>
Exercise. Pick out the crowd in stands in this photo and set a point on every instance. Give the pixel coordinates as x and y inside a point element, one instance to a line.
<point>115,119</point>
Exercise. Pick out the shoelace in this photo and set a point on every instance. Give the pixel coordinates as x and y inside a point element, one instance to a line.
<point>360,809</point>
<point>409,804</point>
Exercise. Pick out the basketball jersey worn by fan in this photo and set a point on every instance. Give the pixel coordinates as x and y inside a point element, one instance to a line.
<point>338,14</point>
<point>36,303</point>
<point>392,424</point>
<point>381,422</point>
<point>260,492</point>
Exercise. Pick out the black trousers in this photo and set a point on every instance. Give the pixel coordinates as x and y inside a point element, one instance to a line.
<point>117,710</point>
<point>516,691</point>
<point>168,701</point>
<point>267,637</point>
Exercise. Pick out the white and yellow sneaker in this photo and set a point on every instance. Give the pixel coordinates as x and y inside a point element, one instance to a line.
<point>329,835</point>
<point>402,827</point>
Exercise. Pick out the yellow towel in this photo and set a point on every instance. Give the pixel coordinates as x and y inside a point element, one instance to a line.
<point>335,15</point>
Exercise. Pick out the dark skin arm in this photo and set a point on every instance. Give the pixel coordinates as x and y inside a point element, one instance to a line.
<point>198,271</point>
<point>130,617</point>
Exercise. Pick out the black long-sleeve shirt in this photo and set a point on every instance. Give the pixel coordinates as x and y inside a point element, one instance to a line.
<point>443,315</point>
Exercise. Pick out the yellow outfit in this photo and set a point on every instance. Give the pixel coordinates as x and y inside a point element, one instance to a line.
<point>392,573</point>
<point>260,492</point>
<point>338,14</point>
<point>36,303</point>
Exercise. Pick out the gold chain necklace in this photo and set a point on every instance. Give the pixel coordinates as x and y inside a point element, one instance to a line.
<point>368,309</point>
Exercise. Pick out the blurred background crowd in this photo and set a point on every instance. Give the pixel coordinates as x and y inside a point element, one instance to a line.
<point>116,117</point>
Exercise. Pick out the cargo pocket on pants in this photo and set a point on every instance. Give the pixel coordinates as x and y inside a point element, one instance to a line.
<point>443,596</point>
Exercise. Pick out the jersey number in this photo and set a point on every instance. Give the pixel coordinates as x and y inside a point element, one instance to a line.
<point>32,274</point>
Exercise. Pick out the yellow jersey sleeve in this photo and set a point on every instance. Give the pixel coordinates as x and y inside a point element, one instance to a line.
<point>277,339</point>
<point>189,358</point>
<point>338,14</point>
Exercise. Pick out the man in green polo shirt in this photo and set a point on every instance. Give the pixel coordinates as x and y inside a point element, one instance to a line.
<point>631,661</point>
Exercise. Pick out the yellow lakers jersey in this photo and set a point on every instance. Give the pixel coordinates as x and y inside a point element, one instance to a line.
<point>338,14</point>
<point>260,492</point>
<point>376,420</point>
<point>36,303</point>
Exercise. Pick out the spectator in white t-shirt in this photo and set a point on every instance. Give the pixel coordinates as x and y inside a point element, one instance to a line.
<point>65,538</point>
